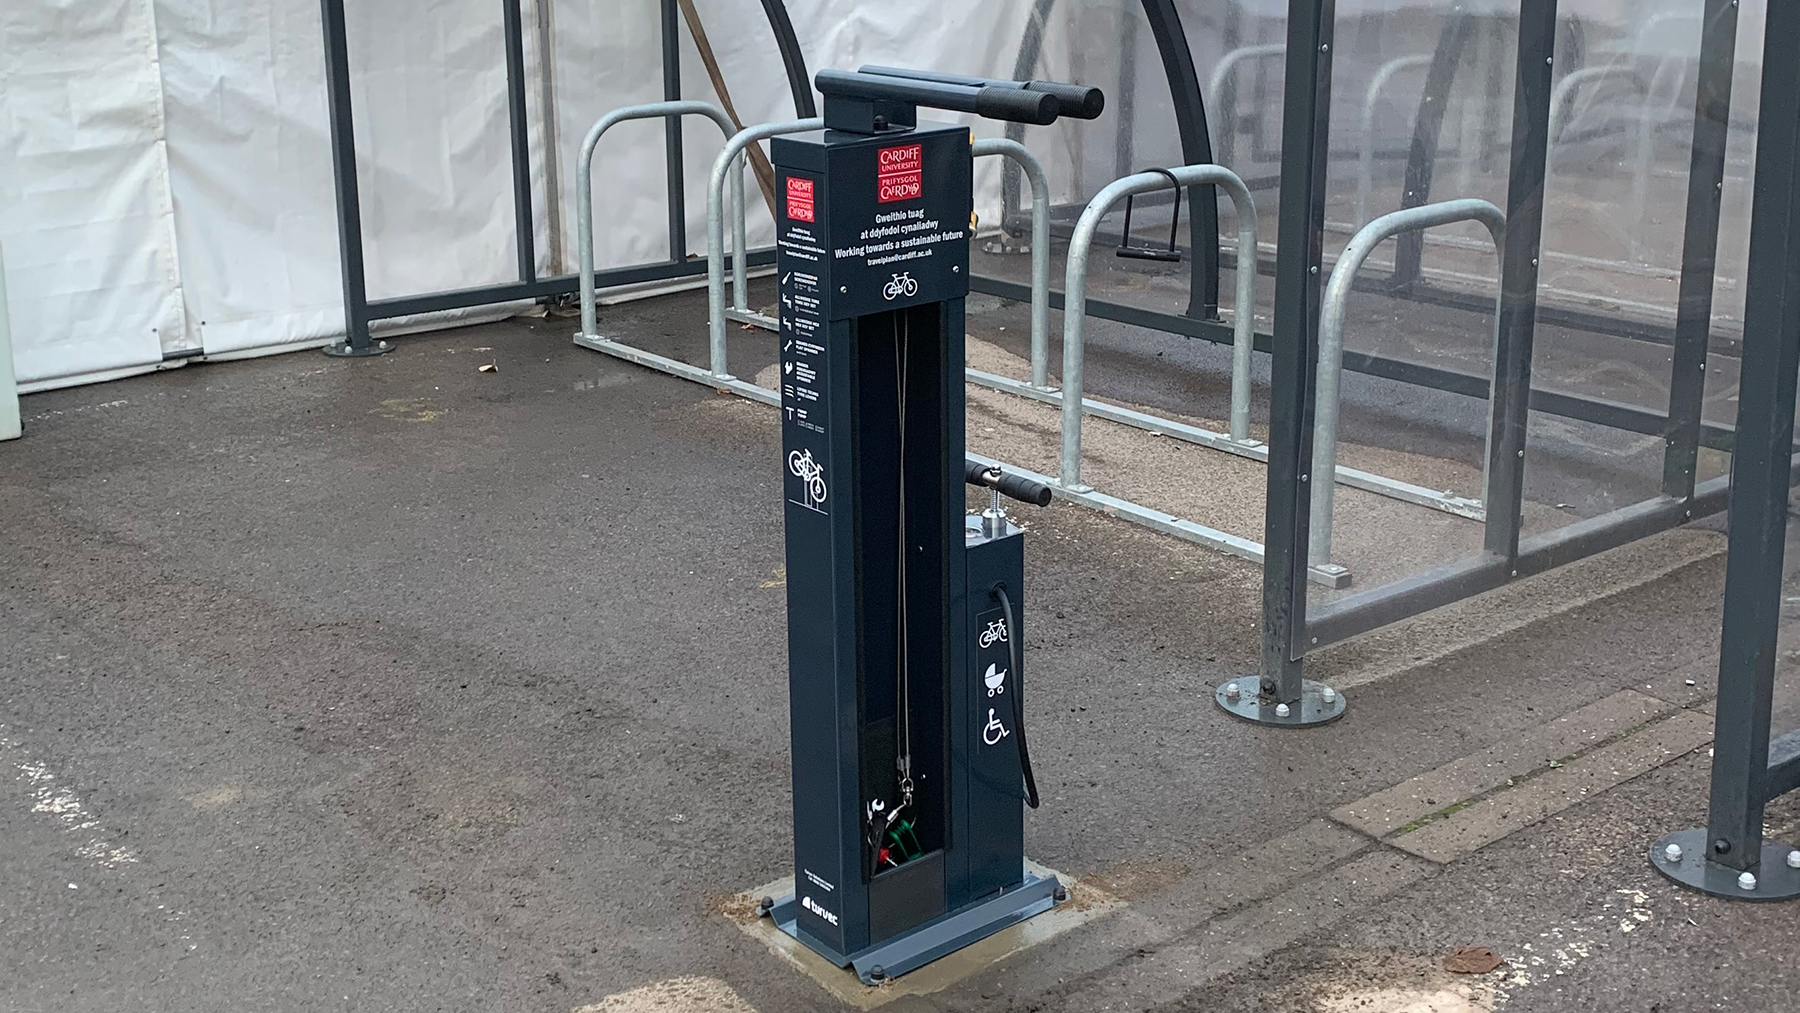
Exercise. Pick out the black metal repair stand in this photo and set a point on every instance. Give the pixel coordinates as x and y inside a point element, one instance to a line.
<point>1729,857</point>
<point>904,638</point>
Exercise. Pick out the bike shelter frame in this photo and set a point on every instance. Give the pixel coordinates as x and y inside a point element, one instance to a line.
<point>1290,629</point>
<point>1730,857</point>
<point>1406,280</point>
<point>360,310</point>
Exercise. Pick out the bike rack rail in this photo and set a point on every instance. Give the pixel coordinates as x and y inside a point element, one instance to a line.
<point>590,336</point>
<point>1237,441</point>
<point>1562,102</point>
<point>1332,313</point>
<point>1221,76</point>
<point>1365,175</point>
<point>584,183</point>
<point>1068,485</point>
<point>1040,260</point>
<point>731,163</point>
<point>1074,345</point>
<point>741,313</point>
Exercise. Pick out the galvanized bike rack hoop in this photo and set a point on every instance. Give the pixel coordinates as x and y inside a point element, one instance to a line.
<point>590,336</point>
<point>1332,315</point>
<point>740,311</point>
<point>730,163</point>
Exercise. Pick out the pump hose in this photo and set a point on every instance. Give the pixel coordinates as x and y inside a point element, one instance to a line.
<point>1016,637</point>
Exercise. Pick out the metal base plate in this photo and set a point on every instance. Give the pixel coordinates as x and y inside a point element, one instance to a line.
<point>1249,705</point>
<point>344,350</point>
<point>1775,880</point>
<point>911,950</point>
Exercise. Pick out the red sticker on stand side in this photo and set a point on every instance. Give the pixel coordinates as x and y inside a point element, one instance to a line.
<point>900,173</point>
<point>800,199</point>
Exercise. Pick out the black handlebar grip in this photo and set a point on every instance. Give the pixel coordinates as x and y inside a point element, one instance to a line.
<point>1077,101</point>
<point>1017,105</point>
<point>1009,485</point>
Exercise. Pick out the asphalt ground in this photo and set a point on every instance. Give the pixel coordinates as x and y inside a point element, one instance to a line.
<point>400,684</point>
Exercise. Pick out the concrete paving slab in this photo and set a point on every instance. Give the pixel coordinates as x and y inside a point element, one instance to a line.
<point>1386,811</point>
<point>1227,944</point>
<point>1167,901</point>
<point>1583,922</point>
<point>1466,830</point>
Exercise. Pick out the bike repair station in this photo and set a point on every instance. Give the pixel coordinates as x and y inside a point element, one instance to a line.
<point>904,614</point>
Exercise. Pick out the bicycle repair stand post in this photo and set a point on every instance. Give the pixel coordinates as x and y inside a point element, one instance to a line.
<point>904,642</point>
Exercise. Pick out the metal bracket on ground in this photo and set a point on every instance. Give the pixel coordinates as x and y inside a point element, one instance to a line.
<point>1244,699</point>
<point>346,350</point>
<point>1685,858</point>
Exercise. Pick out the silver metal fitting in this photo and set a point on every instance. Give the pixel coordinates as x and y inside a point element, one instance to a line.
<point>1283,710</point>
<point>1231,691</point>
<point>1794,859</point>
<point>1747,881</point>
<point>1328,694</point>
<point>1672,854</point>
<point>993,519</point>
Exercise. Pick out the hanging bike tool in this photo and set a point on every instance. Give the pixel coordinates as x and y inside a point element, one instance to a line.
<point>904,641</point>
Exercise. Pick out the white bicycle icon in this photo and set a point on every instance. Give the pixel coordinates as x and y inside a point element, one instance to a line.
<point>994,634</point>
<point>904,284</point>
<point>811,472</point>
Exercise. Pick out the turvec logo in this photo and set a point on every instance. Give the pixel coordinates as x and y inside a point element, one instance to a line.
<point>811,905</point>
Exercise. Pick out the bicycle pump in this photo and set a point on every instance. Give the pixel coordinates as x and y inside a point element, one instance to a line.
<point>910,763</point>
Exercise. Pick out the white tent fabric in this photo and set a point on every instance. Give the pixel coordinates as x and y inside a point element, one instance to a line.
<point>85,211</point>
<point>165,180</point>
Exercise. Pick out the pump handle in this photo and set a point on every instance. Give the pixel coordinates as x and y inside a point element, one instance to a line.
<point>1014,106</point>
<point>985,99</point>
<point>1077,101</point>
<point>1017,487</point>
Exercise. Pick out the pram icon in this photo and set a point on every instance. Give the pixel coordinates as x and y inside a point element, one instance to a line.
<point>996,680</point>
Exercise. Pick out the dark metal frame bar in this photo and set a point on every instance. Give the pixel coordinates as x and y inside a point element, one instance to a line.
<point>1305,154</point>
<point>1700,246</point>
<point>1731,857</point>
<point>524,217</point>
<point>1519,274</point>
<point>1745,776</point>
<point>672,141</point>
<point>799,81</point>
<point>360,310</point>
